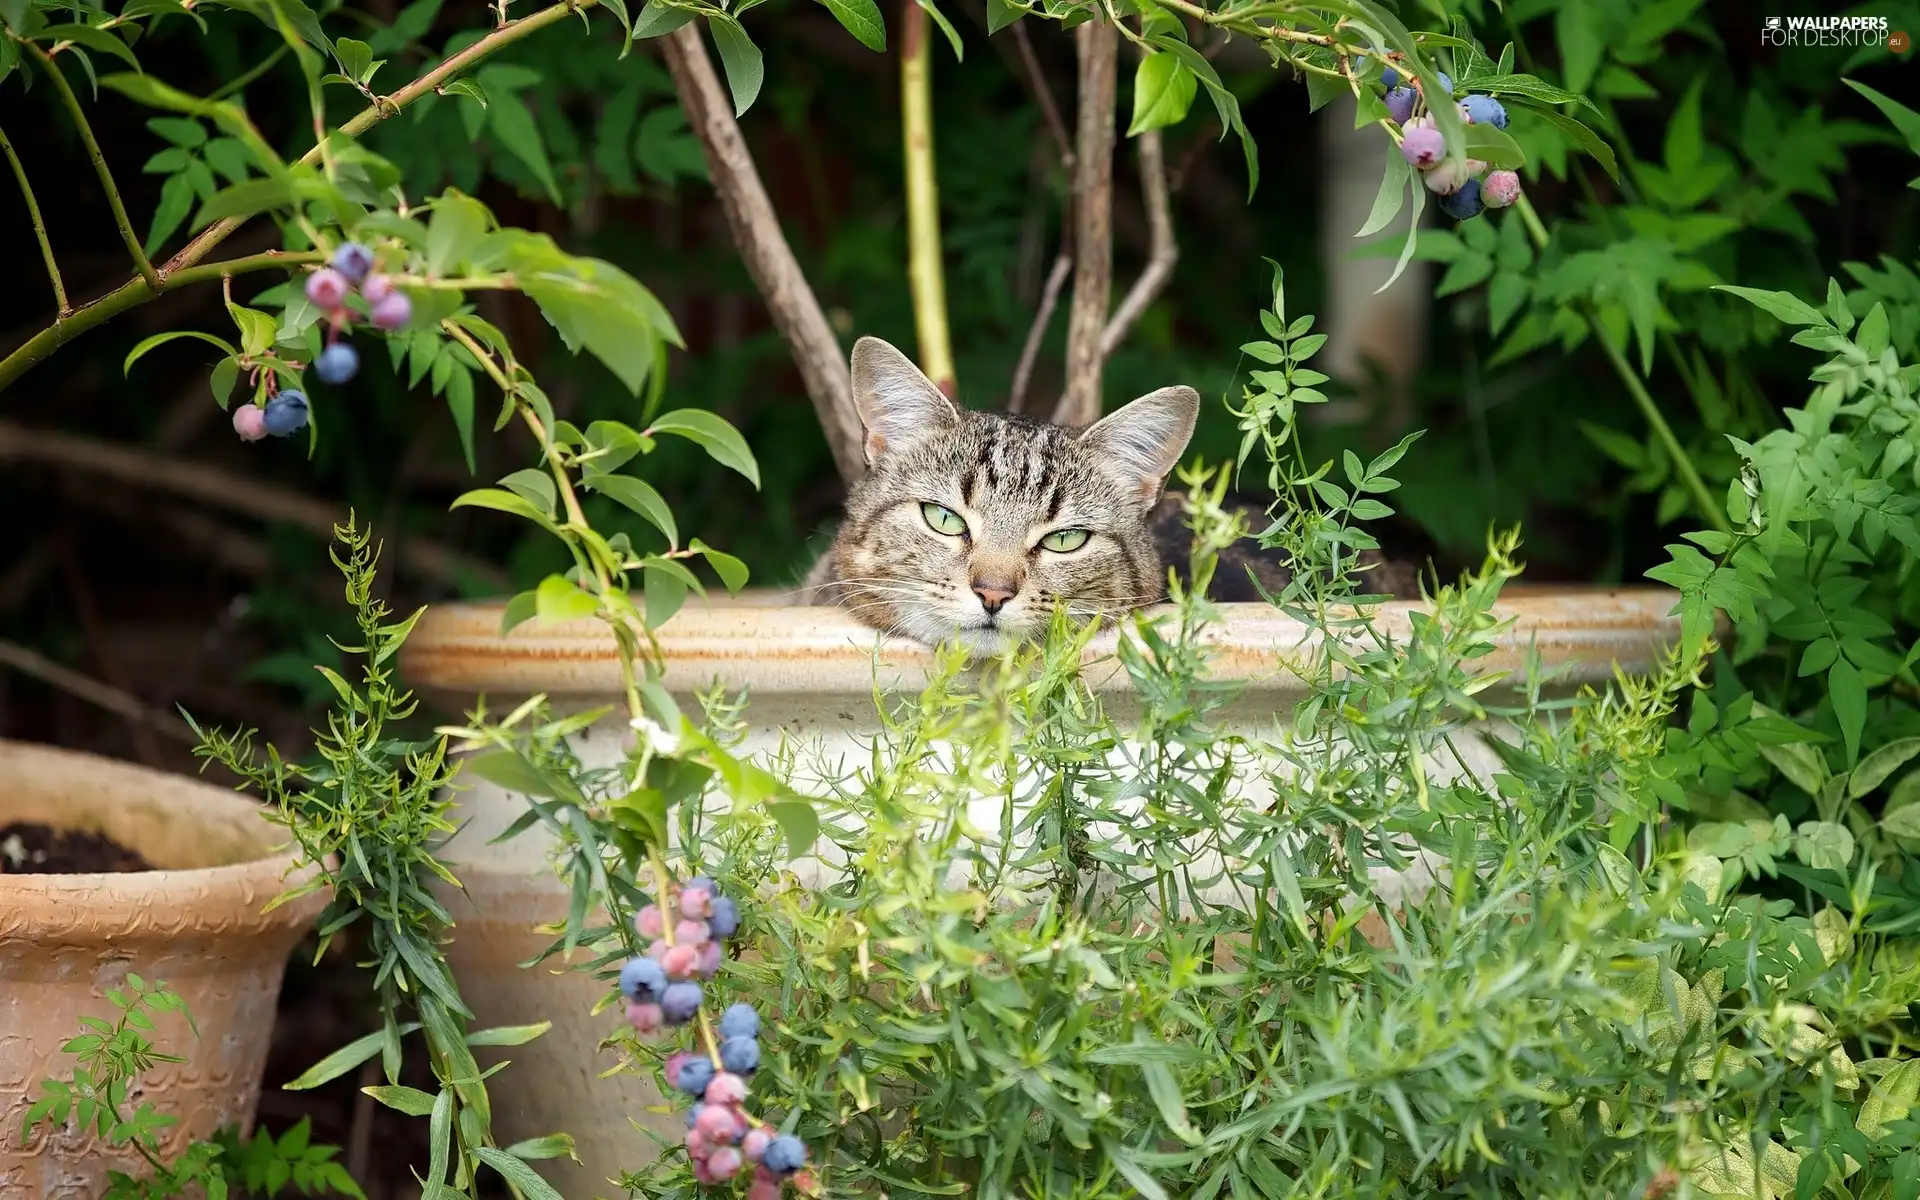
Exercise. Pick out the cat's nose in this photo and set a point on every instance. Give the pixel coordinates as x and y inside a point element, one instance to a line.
<point>994,596</point>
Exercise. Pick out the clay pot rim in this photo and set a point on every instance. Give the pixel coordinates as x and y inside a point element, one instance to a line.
<point>761,641</point>
<point>95,907</point>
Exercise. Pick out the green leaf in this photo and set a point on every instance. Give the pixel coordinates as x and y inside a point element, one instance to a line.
<point>1392,195</point>
<point>1904,119</point>
<point>740,57</point>
<point>1849,694</point>
<point>411,1101</point>
<point>1892,1097</point>
<point>459,223</point>
<point>1002,13</point>
<point>512,122</point>
<point>1824,846</point>
<point>862,19</point>
<point>642,498</point>
<point>659,18</point>
<point>502,501</point>
<point>1903,822</point>
<point>1163,92</point>
<point>1148,1187</point>
<point>732,572</point>
<point>518,1173</point>
<point>510,769</point>
<point>1165,1091</point>
<point>554,1145</point>
<point>93,39</point>
<point>557,599</point>
<point>596,306</point>
<point>508,1035</point>
<point>720,440</point>
<point>345,1059</point>
<point>1583,137</point>
<point>244,200</point>
<point>355,58</point>
<point>1877,766</point>
<point>161,339</point>
<point>1494,147</point>
<point>518,611</point>
<point>534,486</point>
<point>1788,309</point>
<point>799,824</point>
<point>664,591</point>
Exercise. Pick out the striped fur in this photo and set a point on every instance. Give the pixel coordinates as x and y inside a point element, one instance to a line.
<point>1014,482</point>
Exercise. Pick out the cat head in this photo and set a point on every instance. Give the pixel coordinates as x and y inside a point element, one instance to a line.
<point>974,525</point>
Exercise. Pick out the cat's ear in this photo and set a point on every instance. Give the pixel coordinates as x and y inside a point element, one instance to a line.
<point>897,403</point>
<point>1142,442</point>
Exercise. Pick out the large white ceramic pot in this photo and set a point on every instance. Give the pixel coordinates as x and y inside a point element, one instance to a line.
<point>811,675</point>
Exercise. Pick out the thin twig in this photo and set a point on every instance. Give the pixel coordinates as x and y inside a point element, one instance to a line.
<point>68,680</point>
<point>776,272</point>
<point>926,274</point>
<point>99,163</point>
<point>211,485</point>
<point>1164,253</point>
<point>140,289</point>
<point>1043,94</point>
<point>39,226</point>
<point>1097,45</point>
<point>1037,332</point>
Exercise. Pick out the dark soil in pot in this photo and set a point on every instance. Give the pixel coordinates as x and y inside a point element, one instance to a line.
<point>30,848</point>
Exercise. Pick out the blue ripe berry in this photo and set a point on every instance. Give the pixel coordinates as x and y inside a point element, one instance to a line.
<point>642,980</point>
<point>679,1001</point>
<point>1484,110</point>
<point>741,1055</point>
<point>1445,81</point>
<point>1389,78</point>
<point>337,363</point>
<point>693,1114</point>
<point>724,920</point>
<point>740,1021</point>
<point>695,1076</point>
<point>1400,102</point>
<point>286,414</point>
<point>1465,203</point>
<point>353,260</point>
<point>785,1155</point>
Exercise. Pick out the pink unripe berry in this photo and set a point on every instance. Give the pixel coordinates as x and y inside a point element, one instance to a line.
<point>709,964</point>
<point>726,1088</point>
<point>393,311</point>
<point>765,1187</point>
<point>724,1163</point>
<point>696,902</point>
<point>327,288</point>
<point>649,922</point>
<point>1500,189</point>
<point>657,949</point>
<point>680,961</point>
<point>1423,147</point>
<point>717,1124</point>
<point>804,1182</point>
<point>755,1143</point>
<point>673,1065</point>
<point>1447,177</point>
<point>250,422</point>
<point>376,288</point>
<point>644,1017</point>
<point>692,933</point>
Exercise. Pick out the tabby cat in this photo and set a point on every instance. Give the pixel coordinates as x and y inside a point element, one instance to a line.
<point>972,526</point>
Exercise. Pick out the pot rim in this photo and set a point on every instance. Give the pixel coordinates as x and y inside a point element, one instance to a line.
<point>770,647</point>
<point>91,908</point>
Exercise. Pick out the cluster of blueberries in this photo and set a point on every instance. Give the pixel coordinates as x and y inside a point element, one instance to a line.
<point>663,987</point>
<point>1462,190</point>
<point>285,413</point>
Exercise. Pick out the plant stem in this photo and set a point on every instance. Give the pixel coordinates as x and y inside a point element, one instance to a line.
<point>39,226</point>
<point>175,273</point>
<point>99,164</point>
<point>1682,464</point>
<point>924,269</point>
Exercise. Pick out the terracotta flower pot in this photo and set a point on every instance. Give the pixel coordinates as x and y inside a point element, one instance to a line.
<point>810,674</point>
<point>194,923</point>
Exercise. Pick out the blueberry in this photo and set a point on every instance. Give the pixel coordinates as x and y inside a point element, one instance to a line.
<point>724,921</point>
<point>327,288</point>
<point>741,1055</point>
<point>1501,189</point>
<point>286,414</point>
<point>337,363</point>
<point>740,1021</point>
<point>642,979</point>
<point>695,1076</point>
<point>785,1154</point>
<point>1423,147</point>
<point>1446,176</point>
<point>1483,110</point>
<point>353,260</point>
<point>1400,102</point>
<point>1465,203</point>
<point>392,311</point>
<point>679,1002</point>
<point>376,289</point>
<point>1389,78</point>
<point>693,1114</point>
<point>1446,83</point>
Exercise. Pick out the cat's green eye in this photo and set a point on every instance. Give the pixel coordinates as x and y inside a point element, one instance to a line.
<point>942,519</point>
<point>1063,541</point>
